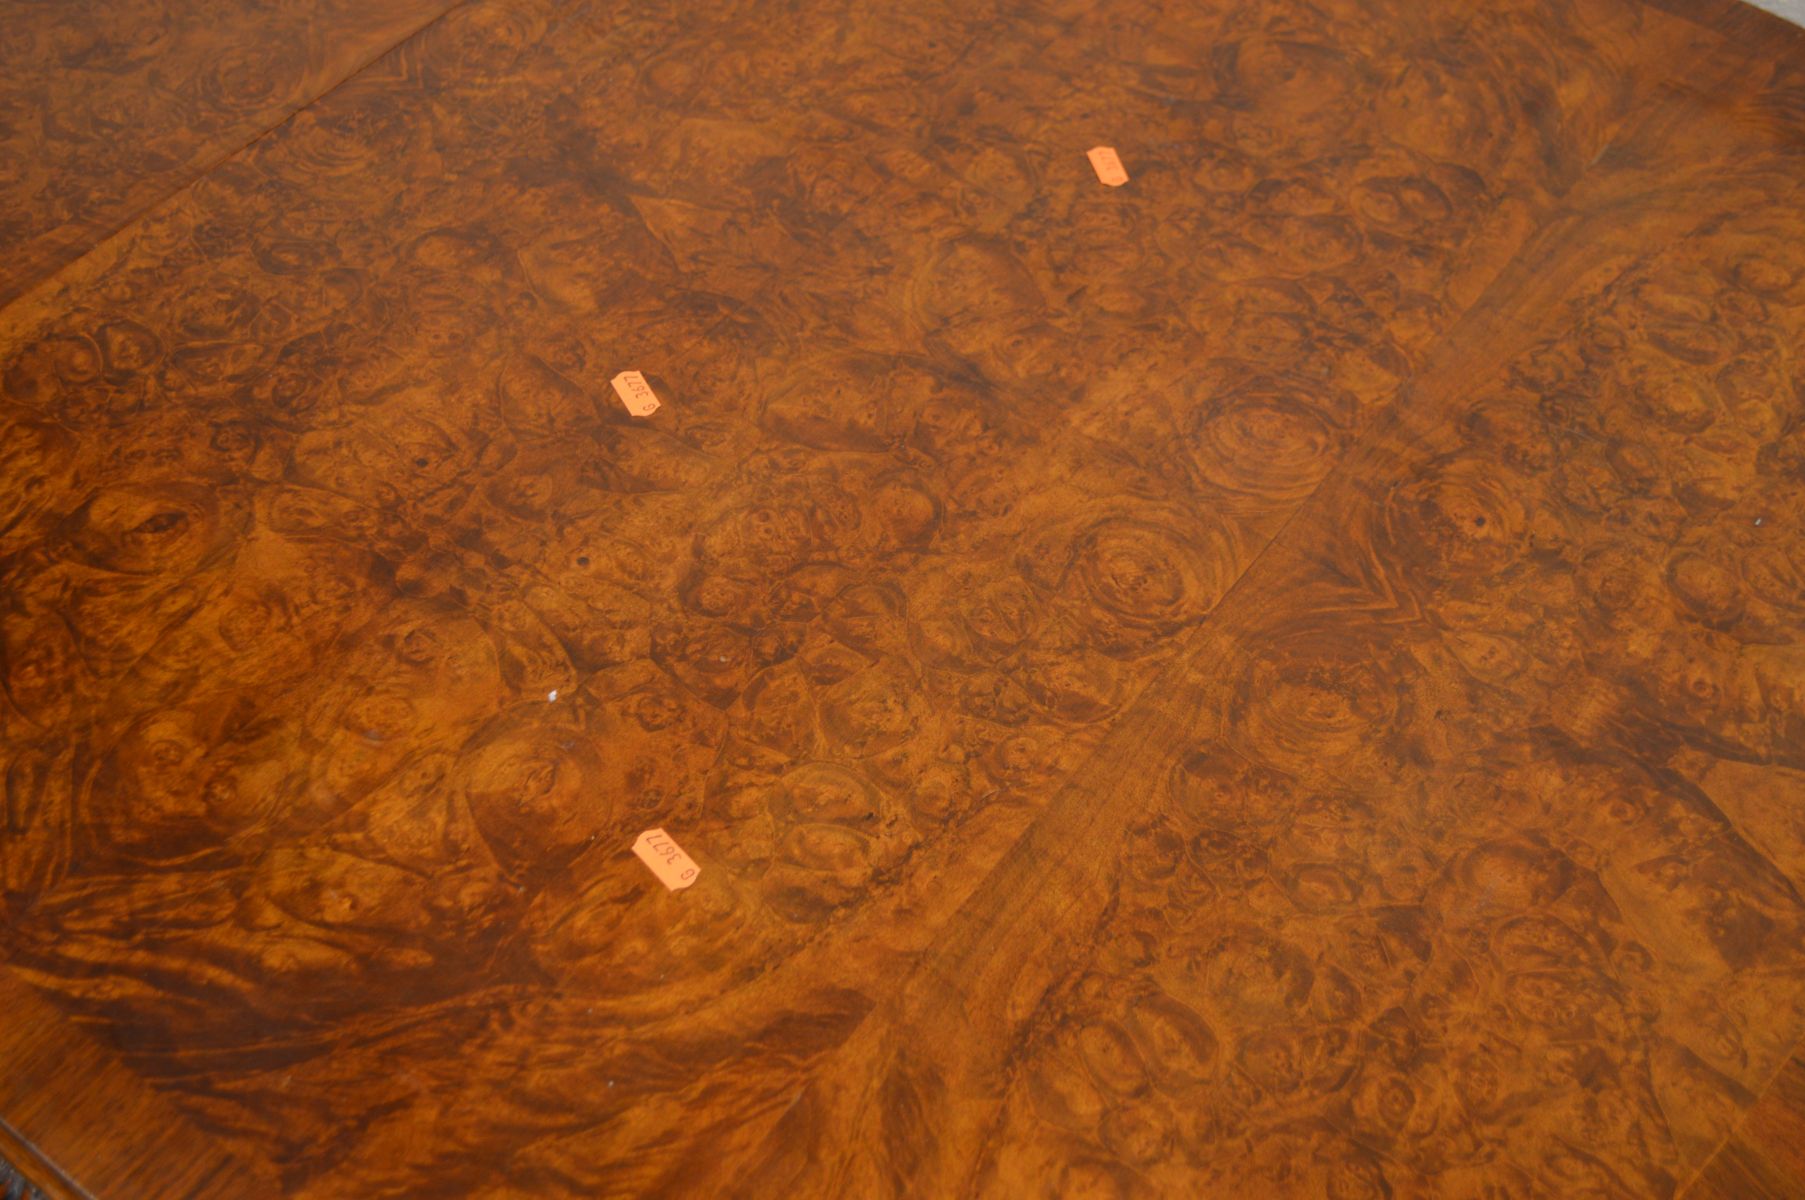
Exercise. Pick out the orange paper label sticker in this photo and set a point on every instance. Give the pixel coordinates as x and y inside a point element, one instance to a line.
<point>635,393</point>
<point>674,868</point>
<point>1108,165</point>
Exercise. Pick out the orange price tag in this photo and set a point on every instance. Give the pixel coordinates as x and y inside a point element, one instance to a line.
<point>1108,165</point>
<point>674,868</point>
<point>635,393</point>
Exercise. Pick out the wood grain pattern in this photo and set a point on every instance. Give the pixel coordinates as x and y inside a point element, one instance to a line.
<point>78,1124</point>
<point>1476,832</point>
<point>108,106</point>
<point>14,1183</point>
<point>1764,1158</point>
<point>1281,677</point>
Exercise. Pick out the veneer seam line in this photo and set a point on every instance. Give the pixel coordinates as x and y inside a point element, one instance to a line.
<point>44,1161</point>
<point>207,168</point>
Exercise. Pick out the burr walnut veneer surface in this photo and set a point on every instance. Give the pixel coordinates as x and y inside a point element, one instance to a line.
<point>108,106</point>
<point>1282,678</point>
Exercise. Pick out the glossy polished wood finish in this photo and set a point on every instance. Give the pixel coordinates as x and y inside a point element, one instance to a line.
<point>109,106</point>
<point>1281,677</point>
<point>78,1124</point>
<point>1764,1159</point>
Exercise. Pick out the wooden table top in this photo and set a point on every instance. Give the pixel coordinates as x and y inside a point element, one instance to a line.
<point>1284,677</point>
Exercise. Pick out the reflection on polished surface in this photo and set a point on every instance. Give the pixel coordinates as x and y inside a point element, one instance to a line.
<point>1281,677</point>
